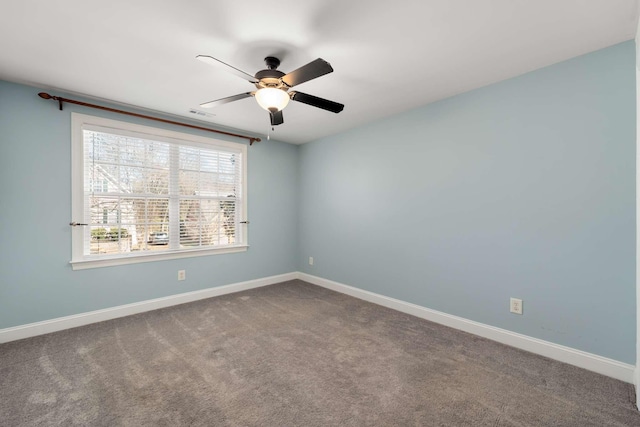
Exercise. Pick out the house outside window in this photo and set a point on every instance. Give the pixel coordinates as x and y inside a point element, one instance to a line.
<point>149,194</point>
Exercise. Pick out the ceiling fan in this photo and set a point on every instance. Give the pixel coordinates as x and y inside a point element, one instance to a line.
<point>273,86</point>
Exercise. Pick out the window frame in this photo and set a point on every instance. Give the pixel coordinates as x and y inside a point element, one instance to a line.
<point>81,261</point>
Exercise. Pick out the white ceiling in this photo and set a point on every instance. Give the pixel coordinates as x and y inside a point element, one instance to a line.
<point>388,56</point>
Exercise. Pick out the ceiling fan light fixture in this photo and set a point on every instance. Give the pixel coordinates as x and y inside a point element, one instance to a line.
<point>273,87</point>
<point>271,98</point>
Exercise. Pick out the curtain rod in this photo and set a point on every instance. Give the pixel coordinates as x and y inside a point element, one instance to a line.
<point>60,100</point>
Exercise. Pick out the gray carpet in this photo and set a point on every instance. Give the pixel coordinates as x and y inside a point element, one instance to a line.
<point>293,354</point>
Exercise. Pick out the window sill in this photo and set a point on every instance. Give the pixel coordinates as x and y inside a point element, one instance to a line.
<point>123,260</point>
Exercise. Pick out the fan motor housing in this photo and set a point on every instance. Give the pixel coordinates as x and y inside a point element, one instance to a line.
<point>270,77</point>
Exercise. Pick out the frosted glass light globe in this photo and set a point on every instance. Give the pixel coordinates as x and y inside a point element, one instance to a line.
<point>271,98</point>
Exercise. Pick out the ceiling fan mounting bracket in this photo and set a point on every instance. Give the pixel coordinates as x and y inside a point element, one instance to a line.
<point>272,62</point>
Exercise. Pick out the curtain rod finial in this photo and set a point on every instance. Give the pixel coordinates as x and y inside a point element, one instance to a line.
<point>44,95</point>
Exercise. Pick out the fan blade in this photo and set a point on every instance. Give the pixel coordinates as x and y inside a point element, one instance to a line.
<point>226,100</point>
<point>276,118</point>
<point>314,101</point>
<point>312,70</point>
<point>215,62</point>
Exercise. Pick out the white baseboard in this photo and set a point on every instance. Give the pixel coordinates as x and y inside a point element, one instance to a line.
<point>54,325</point>
<point>582,359</point>
<point>579,358</point>
<point>636,382</point>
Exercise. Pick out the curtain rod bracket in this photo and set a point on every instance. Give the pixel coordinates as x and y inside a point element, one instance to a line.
<point>60,100</point>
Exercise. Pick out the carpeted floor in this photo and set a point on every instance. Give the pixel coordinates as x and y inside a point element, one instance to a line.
<point>293,354</point>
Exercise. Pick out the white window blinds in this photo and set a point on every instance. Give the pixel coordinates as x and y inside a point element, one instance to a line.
<point>145,194</point>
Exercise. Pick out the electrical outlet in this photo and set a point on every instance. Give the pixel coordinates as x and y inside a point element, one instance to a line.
<point>515,306</point>
<point>182,274</point>
<point>310,260</point>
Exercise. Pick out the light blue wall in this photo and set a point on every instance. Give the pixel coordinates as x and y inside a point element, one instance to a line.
<point>36,281</point>
<point>524,189</point>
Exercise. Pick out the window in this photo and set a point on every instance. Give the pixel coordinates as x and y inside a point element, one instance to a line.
<point>148,194</point>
